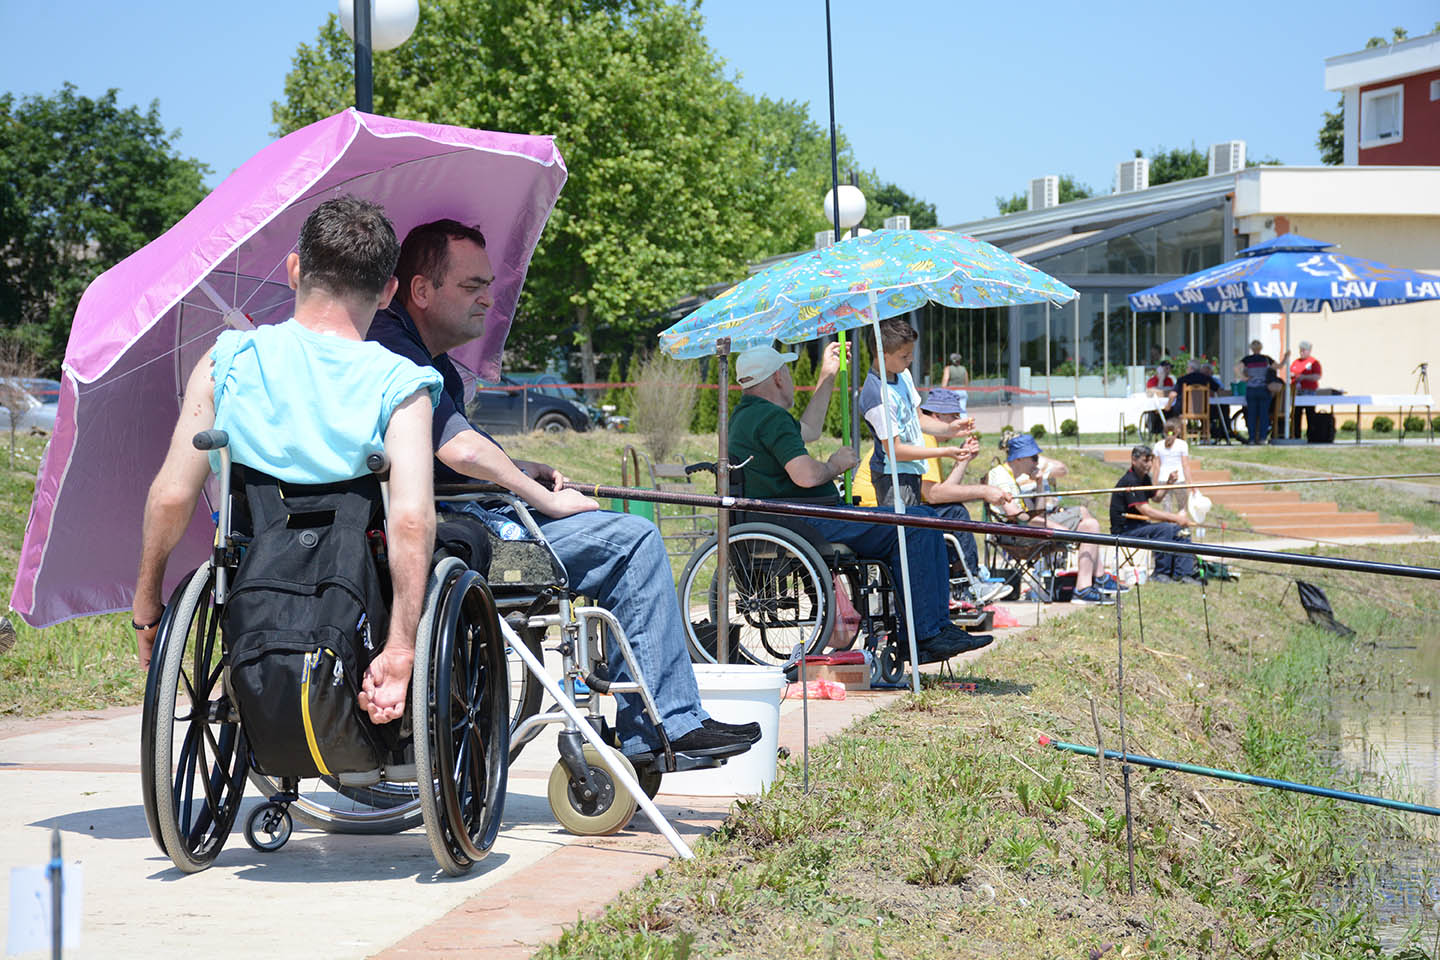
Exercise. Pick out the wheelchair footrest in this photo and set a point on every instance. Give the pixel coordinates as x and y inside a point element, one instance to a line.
<point>683,762</point>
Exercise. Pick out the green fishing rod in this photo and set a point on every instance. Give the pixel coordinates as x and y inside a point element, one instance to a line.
<point>1218,774</point>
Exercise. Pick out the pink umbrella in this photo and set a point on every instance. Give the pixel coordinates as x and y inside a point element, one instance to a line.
<point>143,324</point>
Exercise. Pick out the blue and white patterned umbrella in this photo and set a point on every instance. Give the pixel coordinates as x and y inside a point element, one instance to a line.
<point>820,293</point>
<point>1290,274</point>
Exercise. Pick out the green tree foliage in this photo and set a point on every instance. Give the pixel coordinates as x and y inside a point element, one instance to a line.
<point>1179,163</point>
<point>803,372</point>
<point>1070,189</point>
<point>677,177</point>
<point>84,183</point>
<point>1330,141</point>
<point>884,200</point>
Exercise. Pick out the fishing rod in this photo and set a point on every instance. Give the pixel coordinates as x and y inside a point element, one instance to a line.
<point>1211,484</point>
<point>1218,774</point>
<point>1023,531</point>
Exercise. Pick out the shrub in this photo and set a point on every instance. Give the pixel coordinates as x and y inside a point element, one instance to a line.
<point>1347,426</point>
<point>664,402</point>
<point>1037,431</point>
<point>1414,424</point>
<point>1131,430</point>
<point>1069,428</point>
<point>1383,425</point>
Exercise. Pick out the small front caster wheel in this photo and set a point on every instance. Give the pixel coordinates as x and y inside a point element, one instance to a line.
<point>601,815</point>
<point>268,827</point>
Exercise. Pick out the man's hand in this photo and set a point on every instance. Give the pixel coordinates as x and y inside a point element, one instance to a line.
<point>387,683</point>
<point>967,451</point>
<point>1174,477</point>
<point>145,639</point>
<point>1012,507</point>
<point>546,475</point>
<point>567,503</point>
<point>997,497</point>
<point>830,361</point>
<point>842,460</point>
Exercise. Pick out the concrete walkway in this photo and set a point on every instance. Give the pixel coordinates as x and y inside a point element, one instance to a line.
<point>324,895</point>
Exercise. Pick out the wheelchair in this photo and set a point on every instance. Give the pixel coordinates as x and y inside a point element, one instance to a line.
<point>447,770</point>
<point>593,789</point>
<point>782,576</point>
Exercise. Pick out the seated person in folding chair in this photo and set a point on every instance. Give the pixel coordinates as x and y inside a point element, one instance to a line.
<point>1133,513</point>
<point>1022,476</point>
<point>763,431</point>
<point>344,399</point>
<point>616,559</point>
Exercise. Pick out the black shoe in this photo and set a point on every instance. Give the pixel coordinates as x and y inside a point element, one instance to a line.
<point>747,731</point>
<point>1190,580</point>
<point>699,742</point>
<point>959,641</point>
<point>1162,578</point>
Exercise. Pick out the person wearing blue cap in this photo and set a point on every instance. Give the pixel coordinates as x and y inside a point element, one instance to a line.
<point>1021,476</point>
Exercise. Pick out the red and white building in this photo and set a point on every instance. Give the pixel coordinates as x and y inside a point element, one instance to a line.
<point>1392,102</point>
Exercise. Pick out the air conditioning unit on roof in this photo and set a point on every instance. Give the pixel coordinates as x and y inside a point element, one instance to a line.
<point>824,238</point>
<point>1044,192</point>
<point>1227,157</point>
<point>1132,175</point>
<point>901,221</point>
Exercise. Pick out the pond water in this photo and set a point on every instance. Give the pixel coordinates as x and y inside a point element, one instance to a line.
<point>1390,733</point>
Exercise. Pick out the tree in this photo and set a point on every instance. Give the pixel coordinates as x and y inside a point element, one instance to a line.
<point>83,184</point>
<point>673,168</point>
<point>1180,163</point>
<point>1070,189</point>
<point>886,200</point>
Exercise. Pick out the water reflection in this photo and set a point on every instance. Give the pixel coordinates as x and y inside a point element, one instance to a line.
<point>1390,733</point>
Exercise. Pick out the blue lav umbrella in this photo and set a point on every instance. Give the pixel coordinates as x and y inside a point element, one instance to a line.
<point>1290,274</point>
<point>855,283</point>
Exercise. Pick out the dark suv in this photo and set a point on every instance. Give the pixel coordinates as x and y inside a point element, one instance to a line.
<point>499,408</point>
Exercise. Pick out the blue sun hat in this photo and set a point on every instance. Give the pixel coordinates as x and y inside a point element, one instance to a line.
<point>1021,445</point>
<point>942,400</point>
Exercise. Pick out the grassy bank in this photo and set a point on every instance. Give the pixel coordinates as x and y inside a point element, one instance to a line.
<point>941,828</point>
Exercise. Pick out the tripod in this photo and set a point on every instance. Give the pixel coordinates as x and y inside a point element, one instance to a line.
<point>1422,387</point>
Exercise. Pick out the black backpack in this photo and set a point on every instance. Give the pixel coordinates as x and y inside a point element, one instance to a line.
<point>306,612</point>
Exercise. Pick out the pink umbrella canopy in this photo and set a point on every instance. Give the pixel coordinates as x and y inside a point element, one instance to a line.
<point>142,325</point>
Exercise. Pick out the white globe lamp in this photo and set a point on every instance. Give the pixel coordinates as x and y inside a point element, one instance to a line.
<point>391,21</point>
<point>852,206</point>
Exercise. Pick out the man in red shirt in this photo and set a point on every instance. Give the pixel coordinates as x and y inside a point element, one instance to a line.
<point>1305,375</point>
<point>1161,378</point>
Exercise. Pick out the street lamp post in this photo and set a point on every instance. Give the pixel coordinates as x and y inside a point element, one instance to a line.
<point>375,25</point>
<point>845,207</point>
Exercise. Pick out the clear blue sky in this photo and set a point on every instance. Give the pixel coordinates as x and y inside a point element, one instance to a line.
<point>956,102</point>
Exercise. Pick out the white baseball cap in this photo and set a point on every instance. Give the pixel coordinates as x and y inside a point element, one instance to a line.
<point>758,363</point>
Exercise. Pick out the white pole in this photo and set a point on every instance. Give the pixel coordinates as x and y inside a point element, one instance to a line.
<point>895,492</point>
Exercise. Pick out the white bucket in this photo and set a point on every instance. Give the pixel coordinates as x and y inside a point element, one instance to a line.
<point>736,693</point>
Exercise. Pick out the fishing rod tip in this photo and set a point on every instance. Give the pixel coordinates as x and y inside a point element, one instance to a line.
<point>1044,740</point>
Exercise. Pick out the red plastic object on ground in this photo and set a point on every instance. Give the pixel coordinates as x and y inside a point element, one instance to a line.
<point>1002,617</point>
<point>816,690</point>
<point>837,657</point>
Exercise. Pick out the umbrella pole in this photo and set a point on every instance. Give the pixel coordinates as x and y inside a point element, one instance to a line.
<point>892,463</point>
<point>844,392</point>
<point>722,519</point>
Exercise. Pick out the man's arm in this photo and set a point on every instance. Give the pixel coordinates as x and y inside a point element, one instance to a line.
<point>410,542</point>
<point>806,471</point>
<point>475,455</point>
<point>946,428</point>
<point>1149,511</point>
<point>171,503</point>
<point>812,421</point>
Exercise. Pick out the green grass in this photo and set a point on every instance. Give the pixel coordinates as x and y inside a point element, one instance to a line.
<point>925,834</point>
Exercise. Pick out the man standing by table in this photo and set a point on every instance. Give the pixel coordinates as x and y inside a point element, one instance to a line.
<point>1305,375</point>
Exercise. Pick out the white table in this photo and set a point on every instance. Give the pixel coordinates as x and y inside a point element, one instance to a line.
<point>1382,401</point>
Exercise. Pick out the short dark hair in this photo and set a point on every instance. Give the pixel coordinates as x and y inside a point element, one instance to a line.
<point>426,252</point>
<point>347,247</point>
<point>1141,450</point>
<point>895,332</point>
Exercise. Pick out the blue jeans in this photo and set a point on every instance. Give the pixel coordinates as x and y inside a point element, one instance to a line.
<point>1257,413</point>
<point>929,570</point>
<point>618,560</point>
<point>1170,564</point>
<point>968,550</point>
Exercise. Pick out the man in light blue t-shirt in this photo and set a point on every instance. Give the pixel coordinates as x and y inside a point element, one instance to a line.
<point>306,401</point>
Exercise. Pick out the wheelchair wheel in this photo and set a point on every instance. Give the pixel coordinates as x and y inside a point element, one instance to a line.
<point>193,754</point>
<point>462,721</point>
<point>268,827</point>
<point>605,814</point>
<point>780,596</point>
<point>526,693</point>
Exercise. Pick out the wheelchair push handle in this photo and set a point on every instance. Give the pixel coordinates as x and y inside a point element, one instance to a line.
<point>211,440</point>
<point>704,466</point>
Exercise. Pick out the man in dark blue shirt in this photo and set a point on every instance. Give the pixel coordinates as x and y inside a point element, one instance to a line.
<point>617,559</point>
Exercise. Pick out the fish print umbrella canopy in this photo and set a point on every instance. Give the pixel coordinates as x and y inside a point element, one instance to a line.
<point>1290,274</point>
<point>819,293</point>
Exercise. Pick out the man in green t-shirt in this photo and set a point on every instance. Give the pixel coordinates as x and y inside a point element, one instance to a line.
<point>780,468</point>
